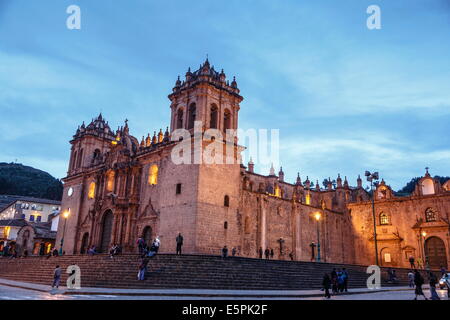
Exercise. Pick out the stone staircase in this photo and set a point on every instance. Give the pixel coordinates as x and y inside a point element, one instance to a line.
<point>187,272</point>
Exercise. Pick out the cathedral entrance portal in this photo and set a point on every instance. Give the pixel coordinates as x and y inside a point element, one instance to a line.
<point>147,235</point>
<point>107,226</point>
<point>435,251</point>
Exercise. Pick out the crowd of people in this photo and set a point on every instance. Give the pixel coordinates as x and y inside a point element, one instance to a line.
<point>337,281</point>
<point>416,281</point>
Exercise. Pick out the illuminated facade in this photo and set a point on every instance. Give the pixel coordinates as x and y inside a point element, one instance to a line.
<point>139,191</point>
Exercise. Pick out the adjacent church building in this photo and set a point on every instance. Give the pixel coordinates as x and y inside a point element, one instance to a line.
<point>119,189</point>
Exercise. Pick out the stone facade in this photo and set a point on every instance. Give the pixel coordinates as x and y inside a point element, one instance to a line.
<point>118,189</point>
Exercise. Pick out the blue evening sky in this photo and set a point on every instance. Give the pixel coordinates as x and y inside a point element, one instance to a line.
<point>346,99</point>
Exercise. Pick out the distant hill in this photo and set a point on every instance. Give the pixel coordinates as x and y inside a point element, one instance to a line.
<point>409,188</point>
<point>17,179</point>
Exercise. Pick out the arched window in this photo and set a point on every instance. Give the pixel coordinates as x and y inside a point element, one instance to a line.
<point>226,120</point>
<point>180,115</point>
<point>213,117</point>
<point>96,154</point>
<point>427,187</point>
<point>31,218</point>
<point>91,191</point>
<point>110,180</point>
<point>384,219</point>
<point>153,175</point>
<point>308,198</point>
<point>226,201</point>
<point>38,218</point>
<point>192,115</point>
<point>430,215</point>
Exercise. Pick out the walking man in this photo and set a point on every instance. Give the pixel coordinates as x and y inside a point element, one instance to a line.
<point>56,277</point>
<point>224,252</point>
<point>345,278</point>
<point>260,251</point>
<point>179,240</point>
<point>267,253</point>
<point>326,283</point>
<point>418,281</point>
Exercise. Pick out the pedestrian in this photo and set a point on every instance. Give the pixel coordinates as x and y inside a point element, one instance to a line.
<point>412,262</point>
<point>260,252</point>
<point>156,244</point>
<point>179,241</point>
<point>56,277</point>
<point>233,251</point>
<point>55,252</point>
<point>443,271</point>
<point>345,276</point>
<point>267,253</point>
<point>419,263</point>
<point>340,281</point>
<point>326,282</point>
<point>433,281</point>
<point>143,269</point>
<point>334,281</point>
<point>411,278</point>
<point>418,281</point>
<point>271,253</point>
<point>224,252</point>
<point>140,242</point>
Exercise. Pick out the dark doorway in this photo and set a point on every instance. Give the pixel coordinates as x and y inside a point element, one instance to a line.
<point>147,235</point>
<point>435,251</point>
<point>84,243</point>
<point>107,226</point>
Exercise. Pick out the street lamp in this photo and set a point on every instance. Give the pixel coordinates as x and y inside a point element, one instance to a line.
<point>425,256</point>
<point>371,177</point>
<point>317,216</point>
<point>65,215</point>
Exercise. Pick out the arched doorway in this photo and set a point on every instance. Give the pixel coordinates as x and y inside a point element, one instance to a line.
<point>435,251</point>
<point>84,243</point>
<point>147,235</point>
<point>107,226</point>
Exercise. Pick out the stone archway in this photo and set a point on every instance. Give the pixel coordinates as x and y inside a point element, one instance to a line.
<point>435,252</point>
<point>107,226</point>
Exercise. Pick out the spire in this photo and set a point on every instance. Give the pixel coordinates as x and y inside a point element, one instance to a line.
<point>154,138</point>
<point>234,83</point>
<point>299,180</point>
<point>339,181</point>
<point>148,141</point>
<point>160,136</point>
<point>427,174</point>
<point>307,183</point>
<point>272,170</point>
<point>329,184</point>
<point>359,181</point>
<point>281,174</point>
<point>166,135</point>
<point>345,182</point>
<point>317,185</point>
<point>251,165</point>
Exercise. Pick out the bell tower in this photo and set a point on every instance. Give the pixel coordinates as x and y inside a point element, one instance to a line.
<point>207,96</point>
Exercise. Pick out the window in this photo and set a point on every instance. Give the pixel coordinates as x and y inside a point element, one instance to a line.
<point>96,154</point>
<point>226,120</point>
<point>110,181</point>
<point>427,187</point>
<point>91,191</point>
<point>38,218</point>
<point>80,158</point>
<point>153,175</point>
<point>22,216</point>
<point>31,218</point>
<point>308,198</point>
<point>213,117</point>
<point>74,160</point>
<point>430,215</point>
<point>226,201</point>
<point>180,114</point>
<point>192,115</point>
<point>225,225</point>
<point>178,189</point>
<point>384,219</point>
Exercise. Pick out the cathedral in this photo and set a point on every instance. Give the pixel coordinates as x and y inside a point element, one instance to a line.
<point>119,189</point>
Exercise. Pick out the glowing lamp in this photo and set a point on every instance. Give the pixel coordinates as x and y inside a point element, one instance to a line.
<point>317,216</point>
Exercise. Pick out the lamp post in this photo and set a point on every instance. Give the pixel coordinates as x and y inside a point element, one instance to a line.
<point>65,215</point>
<point>371,177</point>
<point>318,216</point>
<point>425,256</point>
